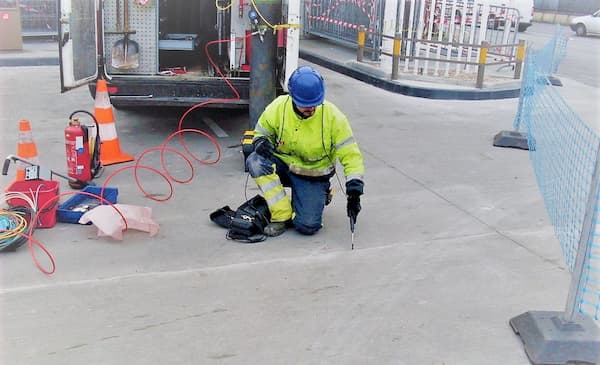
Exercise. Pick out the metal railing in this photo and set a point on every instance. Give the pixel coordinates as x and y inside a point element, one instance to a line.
<point>39,17</point>
<point>339,20</point>
<point>512,58</point>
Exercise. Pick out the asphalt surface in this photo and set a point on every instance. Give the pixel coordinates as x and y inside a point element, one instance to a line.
<point>452,242</point>
<point>582,62</point>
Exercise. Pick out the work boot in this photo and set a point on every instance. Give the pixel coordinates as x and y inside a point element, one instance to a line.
<point>274,229</point>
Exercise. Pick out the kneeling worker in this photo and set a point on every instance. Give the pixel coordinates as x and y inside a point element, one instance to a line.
<point>297,140</point>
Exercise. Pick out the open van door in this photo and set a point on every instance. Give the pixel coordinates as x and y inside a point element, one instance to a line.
<point>292,38</point>
<point>78,42</point>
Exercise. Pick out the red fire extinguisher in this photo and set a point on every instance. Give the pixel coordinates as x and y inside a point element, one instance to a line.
<point>83,150</point>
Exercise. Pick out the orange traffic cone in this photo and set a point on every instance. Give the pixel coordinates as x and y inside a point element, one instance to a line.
<point>26,149</point>
<point>110,151</point>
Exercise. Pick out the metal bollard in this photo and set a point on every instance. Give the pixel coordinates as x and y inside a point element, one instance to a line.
<point>482,60</point>
<point>520,58</point>
<point>360,51</point>
<point>396,55</point>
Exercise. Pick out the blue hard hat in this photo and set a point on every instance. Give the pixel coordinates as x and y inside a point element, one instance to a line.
<point>306,87</point>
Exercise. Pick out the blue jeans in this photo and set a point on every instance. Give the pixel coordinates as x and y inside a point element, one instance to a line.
<point>308,194</point>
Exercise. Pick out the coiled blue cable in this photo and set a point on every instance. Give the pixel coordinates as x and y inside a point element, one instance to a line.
<point>8,223</point>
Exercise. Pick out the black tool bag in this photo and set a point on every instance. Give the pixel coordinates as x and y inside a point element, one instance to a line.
<point>247,223</point>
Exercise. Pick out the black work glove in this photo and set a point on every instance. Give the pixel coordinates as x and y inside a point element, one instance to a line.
<point>354,189</point>
<point>353,207</point>
<point>263,147</point>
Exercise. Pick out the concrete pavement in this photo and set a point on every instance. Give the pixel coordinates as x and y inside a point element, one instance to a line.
<point>452,242</point>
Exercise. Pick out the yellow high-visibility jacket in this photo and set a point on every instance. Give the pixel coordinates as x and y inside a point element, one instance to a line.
<point>310,146</point>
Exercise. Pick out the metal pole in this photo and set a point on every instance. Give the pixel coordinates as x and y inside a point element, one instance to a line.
<point>360,50</point>
<point>525,92</point>
<point>263,62</point>
<point>520,57</point>
<point>396,54</point>
<point>375,27</point>
<point>399,10</point>
<point>482,60</point>
<point>553,64</point>
<point>584,242</point>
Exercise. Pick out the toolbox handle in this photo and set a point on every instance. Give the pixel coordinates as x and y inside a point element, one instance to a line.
<point>5,166</point>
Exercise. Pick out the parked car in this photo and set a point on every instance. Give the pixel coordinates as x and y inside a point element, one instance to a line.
<point>525,8</point>
<point>584,25</point>
<point>503,10</point>
<point>518,12</point>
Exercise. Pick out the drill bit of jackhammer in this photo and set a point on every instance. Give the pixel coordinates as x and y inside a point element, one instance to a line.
<point>352,223</point>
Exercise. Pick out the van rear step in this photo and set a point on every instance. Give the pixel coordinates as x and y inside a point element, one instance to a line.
<point>162,92</point>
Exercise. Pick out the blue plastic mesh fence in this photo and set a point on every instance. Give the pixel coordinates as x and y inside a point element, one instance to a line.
<point>545,62</point>
<point>589,298</point>
<point>563,150</point>
<point>561,38</point>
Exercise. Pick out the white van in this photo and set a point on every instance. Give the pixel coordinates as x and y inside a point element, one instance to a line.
<point>500,10</point>
<point>175,52</point>
<point>525,8</point>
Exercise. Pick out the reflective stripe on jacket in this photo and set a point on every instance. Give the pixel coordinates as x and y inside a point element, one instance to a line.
<point>310,146</point>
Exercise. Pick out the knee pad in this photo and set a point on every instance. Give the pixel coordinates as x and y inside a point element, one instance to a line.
<point>257,166</point>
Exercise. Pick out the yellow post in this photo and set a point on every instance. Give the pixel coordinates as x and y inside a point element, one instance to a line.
<point>482,60</point>
<point>396,55</point>
<point>360,51</point>
<point>520,58</point>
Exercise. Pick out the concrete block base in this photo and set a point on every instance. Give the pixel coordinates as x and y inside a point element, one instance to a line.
<point>549,340</point>
<point>512,139</point>
<point>554,81</point>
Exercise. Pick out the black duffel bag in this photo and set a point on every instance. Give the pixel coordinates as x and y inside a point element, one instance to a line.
<point>247,223</point>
